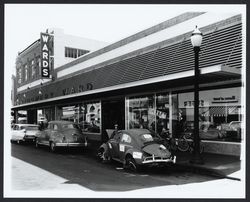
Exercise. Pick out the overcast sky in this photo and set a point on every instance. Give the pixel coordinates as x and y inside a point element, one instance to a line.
<point>109,23</point>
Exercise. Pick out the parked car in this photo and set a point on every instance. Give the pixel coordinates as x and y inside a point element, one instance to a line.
<point>135,148</point>
<point>61,134</point>
<point>207,131</point>
<point>233,132</point>
<point>24,132</point>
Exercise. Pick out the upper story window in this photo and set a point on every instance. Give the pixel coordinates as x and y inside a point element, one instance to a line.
<point>26,72</point>
<point>19,75</point>
<point>33,69</point>
<point>74,52</point>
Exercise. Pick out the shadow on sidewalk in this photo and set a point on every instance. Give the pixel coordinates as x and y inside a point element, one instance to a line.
<point>214,164</point>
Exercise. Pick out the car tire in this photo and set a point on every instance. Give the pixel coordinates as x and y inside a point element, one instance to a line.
<point>52,147</point>
<point>36,143</point>
<point>102,155</point>
<point>131,165</point>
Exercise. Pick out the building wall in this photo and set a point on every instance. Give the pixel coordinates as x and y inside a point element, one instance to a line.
<point>62,40</point>
<point>25,58</point>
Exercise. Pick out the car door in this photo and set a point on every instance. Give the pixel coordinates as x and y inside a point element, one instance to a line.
<point>44,135</point>
<point>114,145</point>
<point>48,131</point>
<point>54,132</point>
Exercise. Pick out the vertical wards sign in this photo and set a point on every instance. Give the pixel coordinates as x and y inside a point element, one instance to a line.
<point>45,55</point>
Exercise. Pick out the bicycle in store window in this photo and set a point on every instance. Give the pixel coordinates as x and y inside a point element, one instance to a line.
<point>183,143</point>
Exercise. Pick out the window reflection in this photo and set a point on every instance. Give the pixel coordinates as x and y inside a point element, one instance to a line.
<point>141,112</point>
<point>91,117</point>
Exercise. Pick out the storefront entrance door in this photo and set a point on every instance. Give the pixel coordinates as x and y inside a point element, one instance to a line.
<point>113,112</point>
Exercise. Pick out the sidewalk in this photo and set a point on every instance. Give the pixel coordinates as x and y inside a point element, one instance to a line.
<point>223,166</point>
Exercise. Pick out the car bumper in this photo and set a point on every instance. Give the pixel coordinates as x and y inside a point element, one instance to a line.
<point>70,144</point>
<point>29,138</point>
<point>153,160</point>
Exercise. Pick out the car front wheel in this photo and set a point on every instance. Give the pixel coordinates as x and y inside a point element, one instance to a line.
<point>37,145</point>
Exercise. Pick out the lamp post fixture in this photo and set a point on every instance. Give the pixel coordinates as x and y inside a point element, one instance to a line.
<point>196,39</point>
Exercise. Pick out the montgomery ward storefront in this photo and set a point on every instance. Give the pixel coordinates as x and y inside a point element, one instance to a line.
<point>146,81</point>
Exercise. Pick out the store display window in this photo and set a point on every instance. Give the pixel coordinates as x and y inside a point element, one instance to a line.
<point>90,114</point>
<point>162,114</point>
<point>140,112</point>
<point>219,114</point>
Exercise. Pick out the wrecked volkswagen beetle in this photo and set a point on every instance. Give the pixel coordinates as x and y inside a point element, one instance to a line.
<point>135,148</point>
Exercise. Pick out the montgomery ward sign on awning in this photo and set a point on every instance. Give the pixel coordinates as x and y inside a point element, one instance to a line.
<point>45,55</point>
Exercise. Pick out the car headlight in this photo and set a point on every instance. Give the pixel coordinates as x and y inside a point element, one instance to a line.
<point>137,155</point>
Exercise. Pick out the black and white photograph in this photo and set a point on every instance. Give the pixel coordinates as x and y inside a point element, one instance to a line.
<point>124,101</point>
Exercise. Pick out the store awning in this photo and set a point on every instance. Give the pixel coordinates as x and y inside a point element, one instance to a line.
<point>233,110</point>
<point>218,111</point>
<point>222,111</point>
<point>217,71</point>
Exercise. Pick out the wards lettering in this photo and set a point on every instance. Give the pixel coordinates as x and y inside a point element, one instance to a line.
<point>79,89</point>
<point>45,55</point>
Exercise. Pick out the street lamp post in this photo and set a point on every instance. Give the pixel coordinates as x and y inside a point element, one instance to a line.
<point>196,40</point>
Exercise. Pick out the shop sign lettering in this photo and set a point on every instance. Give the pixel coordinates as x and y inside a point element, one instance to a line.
<point>231,99</point>
<point>45,55</point>
<point>80,88</point>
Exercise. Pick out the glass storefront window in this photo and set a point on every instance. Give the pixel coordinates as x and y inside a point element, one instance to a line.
<point>219,111</point>
<point>162,113</point>
<point>69,113</point>
<point>22,116</point>
<point>140,112</point>
<point>90,114</point>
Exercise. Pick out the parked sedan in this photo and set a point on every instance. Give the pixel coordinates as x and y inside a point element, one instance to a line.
<point>135,148</point>
<point>61,134</point>
<point>23,132</point>
<point>207,131</point>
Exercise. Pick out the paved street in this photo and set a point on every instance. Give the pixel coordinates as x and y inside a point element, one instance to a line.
<point>74,174</point>
<point>82,168</point>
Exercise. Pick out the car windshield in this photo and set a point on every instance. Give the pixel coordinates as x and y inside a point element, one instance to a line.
<point>29,127</point>
<point>70,125</point>
<point>147,138</point>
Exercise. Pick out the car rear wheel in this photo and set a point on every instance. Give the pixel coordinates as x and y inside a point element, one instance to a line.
<point>102,155</point>
<point>130,164</point>
<point>52,147</point>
